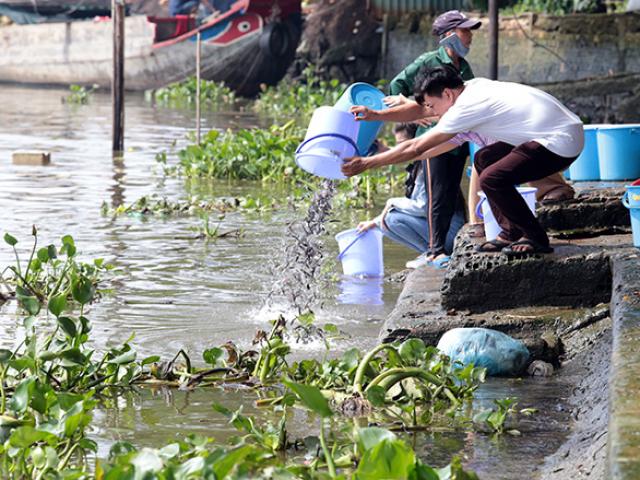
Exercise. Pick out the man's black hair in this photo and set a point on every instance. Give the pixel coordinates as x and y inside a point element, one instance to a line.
<point>409,129</point>
<point>431,82</point>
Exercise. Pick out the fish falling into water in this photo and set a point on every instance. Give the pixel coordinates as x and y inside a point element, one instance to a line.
<point>299,268</point>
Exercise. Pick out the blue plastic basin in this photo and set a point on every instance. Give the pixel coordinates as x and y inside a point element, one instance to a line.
<point>619,151</point>
<point>586,167</point>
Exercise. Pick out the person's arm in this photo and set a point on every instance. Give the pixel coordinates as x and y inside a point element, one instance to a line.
<point>406,112</point>
<point>410,150</point>
<point>440,149</point>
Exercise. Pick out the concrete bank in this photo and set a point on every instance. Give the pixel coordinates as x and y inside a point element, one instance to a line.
<point>587,321</point>
<point>623,452</point>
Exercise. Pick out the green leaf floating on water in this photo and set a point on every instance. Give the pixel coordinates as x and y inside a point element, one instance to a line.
<point>83,291</point>
<point>412,350</point>
<point>311,397</point>
<point>126,357</point>
<point>376,395</point>
<point>72,357</point>
<point>369,437</point>
<point>5,355</point>
<point>213,356</point>
<point>22,395</point>
<point>57,304</point>
<point>43,254</point>
<point>388,460</point>
<point>26,436</point>
<point>30,304</point>
<point>68,326</point>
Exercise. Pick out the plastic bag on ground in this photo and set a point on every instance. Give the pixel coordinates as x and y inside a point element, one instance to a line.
<point>497,352</point>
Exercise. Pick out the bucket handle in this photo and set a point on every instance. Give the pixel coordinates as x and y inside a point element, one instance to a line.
<point>336,135</point>
<point>625,199</point>
<point>358,237</point>
<point>479,208</point>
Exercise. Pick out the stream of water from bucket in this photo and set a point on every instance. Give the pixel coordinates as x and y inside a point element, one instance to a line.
<point>298,270</point>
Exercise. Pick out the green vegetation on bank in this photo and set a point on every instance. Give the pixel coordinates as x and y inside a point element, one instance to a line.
<point>214,94</point>
<point>52,382</point>
<point>79,95</point>
<point>268,154</point>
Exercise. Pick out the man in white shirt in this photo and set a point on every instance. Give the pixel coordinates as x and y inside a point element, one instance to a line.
<point>536,137</point>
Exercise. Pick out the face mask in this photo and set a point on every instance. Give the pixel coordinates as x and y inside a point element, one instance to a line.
<point>455,44</point>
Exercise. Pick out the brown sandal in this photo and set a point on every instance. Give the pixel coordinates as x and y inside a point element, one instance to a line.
<point>492,246</point>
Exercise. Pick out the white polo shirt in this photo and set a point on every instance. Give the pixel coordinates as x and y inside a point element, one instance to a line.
<point>515,114</point>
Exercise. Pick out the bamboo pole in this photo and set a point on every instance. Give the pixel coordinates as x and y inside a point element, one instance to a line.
<point>198,53</point>
<point>493,39</point>
<point>117,81</point>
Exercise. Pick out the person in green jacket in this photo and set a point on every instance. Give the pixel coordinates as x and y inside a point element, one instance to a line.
<point>444,172</point>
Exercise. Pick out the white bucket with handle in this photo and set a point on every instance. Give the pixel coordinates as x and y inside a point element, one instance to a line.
<point>483,211</point>
<point>331,137</point>
<point>361,252</point>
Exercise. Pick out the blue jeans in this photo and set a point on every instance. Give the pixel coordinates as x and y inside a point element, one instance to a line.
<point>413,231</point>
<point>182,7</point>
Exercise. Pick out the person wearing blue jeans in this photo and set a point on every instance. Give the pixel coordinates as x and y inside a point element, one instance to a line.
<point>404,219</point>
<point>413,231</point>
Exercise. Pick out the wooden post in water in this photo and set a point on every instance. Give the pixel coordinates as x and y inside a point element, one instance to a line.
<point>117,81</point>
<point>198,53</point>
<point>493,39</point>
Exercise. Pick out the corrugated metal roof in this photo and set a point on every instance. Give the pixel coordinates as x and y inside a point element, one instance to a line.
<point>407,6</point>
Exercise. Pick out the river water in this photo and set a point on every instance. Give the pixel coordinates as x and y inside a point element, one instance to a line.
<point>175,292</point>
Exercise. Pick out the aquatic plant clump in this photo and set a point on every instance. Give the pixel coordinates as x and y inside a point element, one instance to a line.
<point>51,274</point>
<point>254,154</point>
<point>212,93</point>
<point>298,99</point>
<point>79,94</point>
<point>152,205</point>
<point>51,383</point>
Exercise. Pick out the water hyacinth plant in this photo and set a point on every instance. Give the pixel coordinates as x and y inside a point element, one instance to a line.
<point>297,100</point>
<point>255,154</point>
<point>52,274</point>
<point>79,95</point>
<point>52,382</point>
<point>213,94</point>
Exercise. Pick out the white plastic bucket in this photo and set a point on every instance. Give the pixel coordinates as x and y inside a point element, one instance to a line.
<point>331,137</point>
<point>361,253</point>
<point>483,211</point>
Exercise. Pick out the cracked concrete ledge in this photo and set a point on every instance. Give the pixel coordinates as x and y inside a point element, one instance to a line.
<point>593,210</point>
<point>577,274</point>
<point>623,449</point>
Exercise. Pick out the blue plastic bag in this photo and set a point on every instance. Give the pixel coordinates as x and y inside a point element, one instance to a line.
<point>497,352</point>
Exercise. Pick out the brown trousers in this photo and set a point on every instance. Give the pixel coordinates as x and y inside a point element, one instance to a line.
<point>500,167</point>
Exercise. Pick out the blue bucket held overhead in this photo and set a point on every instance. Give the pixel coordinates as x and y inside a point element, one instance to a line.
<point>331,137</point>
<point>367,96</point>
<point>619,151</point>
<point>587,167</point>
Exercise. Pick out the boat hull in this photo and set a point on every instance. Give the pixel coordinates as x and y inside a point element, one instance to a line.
<point>81,53</point>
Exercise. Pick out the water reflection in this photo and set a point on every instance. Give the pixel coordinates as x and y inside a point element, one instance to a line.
<point>361,290</point>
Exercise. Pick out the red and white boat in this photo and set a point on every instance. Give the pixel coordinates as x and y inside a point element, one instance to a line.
<point>251,43</point>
